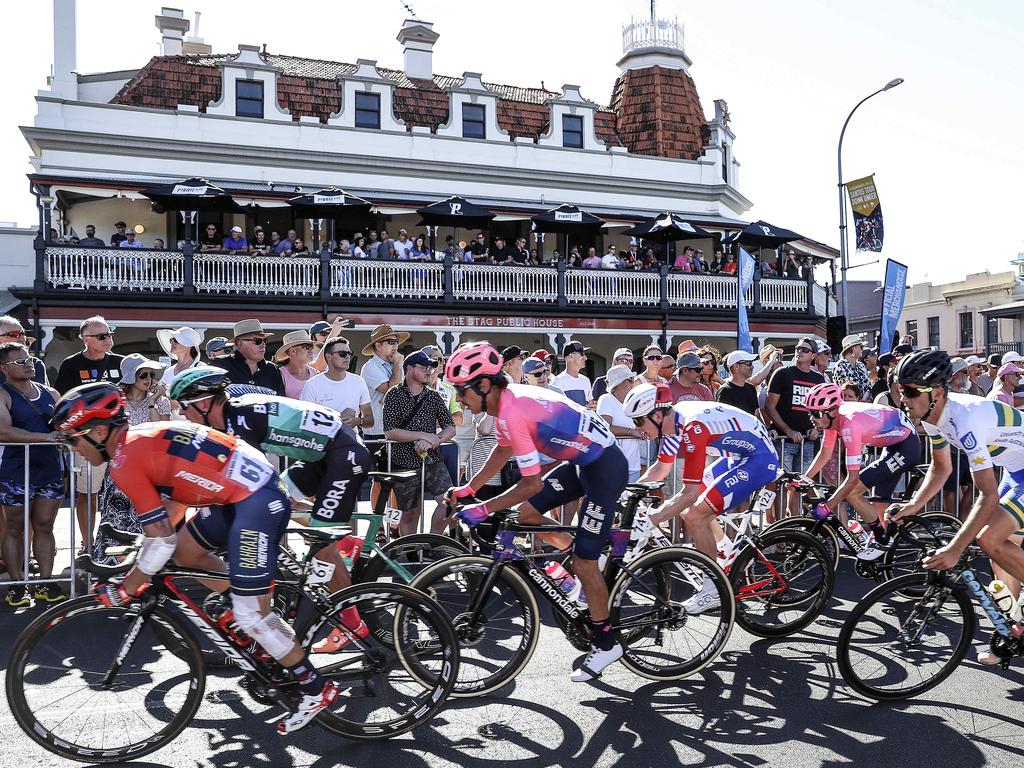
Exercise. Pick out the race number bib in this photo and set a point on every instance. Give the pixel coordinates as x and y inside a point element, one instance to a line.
<point>250,470</point>
<point>595,429</point>
<point>319,572</point>
<point>320,422</point>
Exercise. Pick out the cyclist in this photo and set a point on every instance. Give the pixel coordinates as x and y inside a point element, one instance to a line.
<point>991,433</point>
<point>859,425</point>
<point>164,467</point>
<point>530,421</point>
<point>330,462</point>
<point>693,430</point>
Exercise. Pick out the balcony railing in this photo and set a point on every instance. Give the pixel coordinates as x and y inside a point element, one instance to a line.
<point>443,283</point>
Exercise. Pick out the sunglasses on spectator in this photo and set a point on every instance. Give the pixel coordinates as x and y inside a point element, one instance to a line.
<point>304,346</point>
<point>340,353</point>
<point>259,341</point>
<point>653,357</point>
<point>803,350</point>
<point>707,362</point>
<point>21,361</point>
<point>14,334</point>
<point>913,392</point>
<point>98,336</point>
<point>392,342</point>
<point>144,375</point>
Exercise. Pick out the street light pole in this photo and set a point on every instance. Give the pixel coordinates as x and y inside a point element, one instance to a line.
<point>843,257</point>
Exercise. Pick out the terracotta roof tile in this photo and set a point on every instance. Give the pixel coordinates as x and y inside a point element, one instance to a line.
<point>659,113</point>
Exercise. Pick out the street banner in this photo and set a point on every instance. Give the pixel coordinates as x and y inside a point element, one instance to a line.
<point>867,214</point>
<point>746,278</point>
<point>894,291</point>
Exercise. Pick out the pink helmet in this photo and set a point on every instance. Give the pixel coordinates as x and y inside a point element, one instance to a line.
<point>824,397</point>
<point>472,361</point>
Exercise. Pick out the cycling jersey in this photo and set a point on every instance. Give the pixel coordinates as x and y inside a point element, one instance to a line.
<point>866,424</point>
<point>188,464</point>
<point>532,421</point>
<point>988,431</point>
<point>292,428</point>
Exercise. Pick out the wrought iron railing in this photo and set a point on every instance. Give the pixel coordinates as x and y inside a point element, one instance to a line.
<point>265,275</point>
<point>111,268</point>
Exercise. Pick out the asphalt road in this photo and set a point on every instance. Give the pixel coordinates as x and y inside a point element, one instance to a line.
<point>762,703</point>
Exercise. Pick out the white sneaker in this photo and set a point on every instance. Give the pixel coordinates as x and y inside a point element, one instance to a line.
<point>595,663</point>
<point>988,658</point>
<point>308,708</point>
<point>704,600</point>
<point>870,554</point>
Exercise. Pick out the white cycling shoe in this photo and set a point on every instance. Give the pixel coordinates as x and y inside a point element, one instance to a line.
<point>595,663</point>
<point>309,708</point>
<point>705,600</point>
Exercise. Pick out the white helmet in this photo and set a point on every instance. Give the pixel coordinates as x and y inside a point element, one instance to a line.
<point>645,399</point>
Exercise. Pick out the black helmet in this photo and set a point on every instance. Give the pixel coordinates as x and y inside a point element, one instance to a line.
<point>924,368</point>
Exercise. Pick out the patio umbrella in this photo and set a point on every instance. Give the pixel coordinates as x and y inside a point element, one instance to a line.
<point>193,194</point>
<point>330,203</point>
<point>567,219</point>
<point>761,234</point>
<point>453,212</point>
<point>668,228</point>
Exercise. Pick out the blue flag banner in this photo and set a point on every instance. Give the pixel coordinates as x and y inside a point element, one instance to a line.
<point>746,278</point>
<point>894,292</point>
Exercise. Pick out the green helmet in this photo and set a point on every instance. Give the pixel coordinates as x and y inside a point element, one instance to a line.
<point>203,379</point>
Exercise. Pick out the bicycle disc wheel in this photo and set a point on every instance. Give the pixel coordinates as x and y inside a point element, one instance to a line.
<point>913,540</point>
<point>661,640</point>
<point>782,580</point>
<point>412,553</point>
<point>495,646</point>
<point>60,694</point>
<point>380,696</point>
<point>828,537</point>
<point>893,646</point>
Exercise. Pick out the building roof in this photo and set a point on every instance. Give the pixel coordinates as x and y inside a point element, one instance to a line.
<point>656,111</point>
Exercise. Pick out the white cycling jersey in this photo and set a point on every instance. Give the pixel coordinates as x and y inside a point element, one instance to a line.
<point>990,432</point>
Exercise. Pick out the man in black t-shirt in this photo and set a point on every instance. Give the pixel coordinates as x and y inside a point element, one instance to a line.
<point>480,251</point>
<point>736,391</point>
<point>501,254</point>
<point>211,241</point>
<point>521,254</point>
<point>117,238</point>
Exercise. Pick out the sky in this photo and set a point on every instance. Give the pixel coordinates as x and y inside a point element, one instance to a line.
<point>945,147</point>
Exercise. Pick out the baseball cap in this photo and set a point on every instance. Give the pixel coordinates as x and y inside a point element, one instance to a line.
<point>432,351</point>
<point>419,357</point>
<point>995,359</point>
<point>534,365</point>
<point>1008,368</point>
<point>886,359</point>
<point>739,356</point>
<point>319,327</point>
<point>511,352</point>
<point>868,352</point>
<point>574,346</point>
<point>809,343</point>
<point>623,352</point>
<point>974,360</point>
<point>688,360</point>
<point>236,228</point>
<point>542,354</point>
<point>1012,357</point>
<point>216,344</point>
<point>616,375</point>
<point>903,349</point>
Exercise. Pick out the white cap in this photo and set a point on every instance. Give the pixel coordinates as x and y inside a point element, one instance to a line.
<point>236,228</point>
<point>622,352</point>
<point>974,360</point>
<point>1012,357</point>
<point>616,375</point>
<point>739,356</point>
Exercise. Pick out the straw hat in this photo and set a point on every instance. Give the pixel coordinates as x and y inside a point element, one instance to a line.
<point>245,327</point>
<point>293,339</point>
<point>382,332</point>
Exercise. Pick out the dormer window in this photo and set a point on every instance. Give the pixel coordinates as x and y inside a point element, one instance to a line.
<point>572,131</point>
<point>368,110</point>
<point>474,117</point>
<point>249,98</point>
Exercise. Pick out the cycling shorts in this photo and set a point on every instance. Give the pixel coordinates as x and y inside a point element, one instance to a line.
<point>1011,496</point>
<point>882,475</point>
<point>335,480</point>
<point>731,480</point>
<point>599,485</point>
<point>250,530</point>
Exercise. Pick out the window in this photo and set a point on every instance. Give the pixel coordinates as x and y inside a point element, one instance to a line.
<point>249,98</point>
<point>933,332</point>
<point>572,131</point>
<point>993,331</point>
<point>473,117</point>
<point>912,329</point>
<point>367,110</point>
<point>966,330</point>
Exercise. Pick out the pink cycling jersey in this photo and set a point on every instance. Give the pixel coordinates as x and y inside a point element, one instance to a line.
<point>862,424</point>
<point>533,420</point>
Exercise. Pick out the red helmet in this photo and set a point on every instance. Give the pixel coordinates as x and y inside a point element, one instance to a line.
<point>471,362</point>
<point>88,406</point>
<point>824,397</point>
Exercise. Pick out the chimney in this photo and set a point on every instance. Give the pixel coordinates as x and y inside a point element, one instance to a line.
<point>417,39</point>
<point>172,25</point>
<point>64,80</point>
<point>194,44</point>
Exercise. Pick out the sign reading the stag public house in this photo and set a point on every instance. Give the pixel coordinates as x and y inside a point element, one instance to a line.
<point>867,214</point>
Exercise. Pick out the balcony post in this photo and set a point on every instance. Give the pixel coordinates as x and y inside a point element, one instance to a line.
<point>663,285</point>
<point>563,301</point>
<point>325,275</point>
<point>187,251</point>
<point>447,279</point>
<point>810,293</point>
<point>39,245</point>
<point>755,286</point>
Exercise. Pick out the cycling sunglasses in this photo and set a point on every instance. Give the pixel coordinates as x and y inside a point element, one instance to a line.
<point>912,392</point>
<point>461,389</point>
<point>821,414</point>
<point>21,361</point>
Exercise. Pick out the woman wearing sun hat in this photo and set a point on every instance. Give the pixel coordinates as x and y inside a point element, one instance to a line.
<point>182,346</point>
<point>294,358</point>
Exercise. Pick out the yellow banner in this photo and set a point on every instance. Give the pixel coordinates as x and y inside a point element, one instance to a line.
<point>863,196</point>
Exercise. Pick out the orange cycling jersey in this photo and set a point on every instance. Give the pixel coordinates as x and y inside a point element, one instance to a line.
<point>188,465</point>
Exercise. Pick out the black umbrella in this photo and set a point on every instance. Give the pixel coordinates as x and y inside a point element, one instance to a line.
<point>761,234</point>
<point>567,219</point>
<point>454,212</point>
<point>668,228</point>
<point>330,203</point>
<point>193,194</point>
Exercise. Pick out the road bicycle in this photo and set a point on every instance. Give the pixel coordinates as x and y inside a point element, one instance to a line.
<point>98,684</point>
<point>781,579</point>
<point>902,554</point>
<point>909,634</point>
<point>492,601</point>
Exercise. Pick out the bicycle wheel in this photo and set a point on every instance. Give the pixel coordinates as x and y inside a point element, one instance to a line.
<point>828,537</point>
<point>661,641</point>
<point>893,646</point>
<point>494,647</point>
<point>69,695</point>
<point>387,687</point>
<point>913,540</point>
<point>782,580</point>
<point>413,553</point>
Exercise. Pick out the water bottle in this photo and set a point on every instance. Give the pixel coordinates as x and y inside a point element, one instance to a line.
<point>565,580</point>
<point>857,530</point>
<point>1017,611</point>
<point>1001,594</point>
